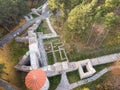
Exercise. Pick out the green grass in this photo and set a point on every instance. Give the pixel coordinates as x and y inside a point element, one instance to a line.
<point>92,53</point>
<point>63,55</point>
<point>54,81</point>
<point>43,28</point>
<point>55,40</point>
<point>17,50</point>
<point>100,67</point>
<point>58,56</point>
<point>55,47</point>
<point>50,58</point>
<point>92,85</point>
<point>73,76</point>
<point>34,15</point>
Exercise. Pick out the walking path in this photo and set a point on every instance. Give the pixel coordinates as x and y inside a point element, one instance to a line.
<point>93,78</point>
<point>21,29</point>
<point>105,59</point>
<point>6,86</point>
<point>50,26</point>
<point>53,34</point>
<point>64,83</point>
<point>53,70</point>
<point>43,55</point>
<point>13,34</point>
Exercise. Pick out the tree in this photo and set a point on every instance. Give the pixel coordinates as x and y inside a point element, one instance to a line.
<point>80,19</point>
<point>112,4</point>
<point>63,6</point>
<point>111,20</point>
<point>11,11</point>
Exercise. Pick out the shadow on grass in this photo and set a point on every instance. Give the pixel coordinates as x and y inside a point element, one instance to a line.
<point>54,81</point>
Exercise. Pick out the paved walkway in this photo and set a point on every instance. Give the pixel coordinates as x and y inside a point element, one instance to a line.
<point>50,26</point>
<point>105,59</point>
<point>21,29</point>
<point>93,78</point>
<point>6,86</point>
<point>43,55</point>
<point>53,34</point>
<point>64,84</point>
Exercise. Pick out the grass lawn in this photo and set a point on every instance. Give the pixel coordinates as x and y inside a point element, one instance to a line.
<point>34,15</point>
<point>100,67</point>
<point>73,76</point>
<point>43,28</point>
<point>55,40</point>
<point>50,58</point>
<point>82,54</point>
<point>58,56</point>
<point>54,81</point>
<point>9,55</point>
<point>93,85</point>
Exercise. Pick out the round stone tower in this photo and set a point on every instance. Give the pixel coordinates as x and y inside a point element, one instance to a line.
<point>37,80</point>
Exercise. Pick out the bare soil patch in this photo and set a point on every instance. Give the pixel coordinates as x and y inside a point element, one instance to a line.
<point>116,71</point>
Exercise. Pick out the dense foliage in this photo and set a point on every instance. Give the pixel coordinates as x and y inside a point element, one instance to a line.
<point>35,3</point>
<point>80,19</point>
<point>64,6</point>
<point>90,21</point>
<point>11,12</point>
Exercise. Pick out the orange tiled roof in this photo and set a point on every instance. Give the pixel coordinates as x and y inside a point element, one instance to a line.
<point>35,79</point>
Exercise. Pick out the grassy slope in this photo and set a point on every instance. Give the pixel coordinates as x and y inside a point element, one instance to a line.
<point>9,55</point>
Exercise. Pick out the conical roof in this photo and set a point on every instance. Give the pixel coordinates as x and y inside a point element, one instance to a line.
<point>35,79</point>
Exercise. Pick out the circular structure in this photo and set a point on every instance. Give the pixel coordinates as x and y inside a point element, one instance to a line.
<point>36,79</point>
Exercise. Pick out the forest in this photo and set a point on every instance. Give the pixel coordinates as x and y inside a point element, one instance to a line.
<point>12,12</point>
<point>88,27</point>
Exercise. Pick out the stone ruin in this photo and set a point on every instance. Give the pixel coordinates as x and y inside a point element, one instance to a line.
<point>85,69</point>
<point>36,57</point>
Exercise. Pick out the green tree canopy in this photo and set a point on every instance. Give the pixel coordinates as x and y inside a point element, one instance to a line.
<point>64,6</point>
<point>11,11</point>
<point>80,18</point>
<point>111,20</point>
